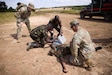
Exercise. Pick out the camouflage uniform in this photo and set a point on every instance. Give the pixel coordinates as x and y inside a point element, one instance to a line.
<point>39,34</point>
<point>22,14</point>
<point>81,46</point>
<point>61,50</point>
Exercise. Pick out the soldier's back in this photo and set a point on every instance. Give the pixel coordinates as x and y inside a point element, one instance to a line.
<point>38,30</point>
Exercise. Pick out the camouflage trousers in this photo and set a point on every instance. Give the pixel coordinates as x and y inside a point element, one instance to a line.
<point>82,58</point>
<point>19,24</point>
<point>38,39</point>
<point>61,50</point>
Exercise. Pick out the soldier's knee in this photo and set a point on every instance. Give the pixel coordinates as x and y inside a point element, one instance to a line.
<point>73,61</point>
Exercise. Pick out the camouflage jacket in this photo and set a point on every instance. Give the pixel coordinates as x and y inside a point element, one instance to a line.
<point>82,40</point>
<point>39,33</point>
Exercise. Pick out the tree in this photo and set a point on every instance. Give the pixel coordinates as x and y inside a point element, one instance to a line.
<point>3,6</point>
<point>11,9</point>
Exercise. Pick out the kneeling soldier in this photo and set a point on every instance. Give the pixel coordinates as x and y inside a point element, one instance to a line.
<point>40,36</point>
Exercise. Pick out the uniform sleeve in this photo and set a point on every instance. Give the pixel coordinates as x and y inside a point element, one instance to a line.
<point>17,15</point>
<point>75,45</point>
<point>22,10</point>
<point>50,21</point>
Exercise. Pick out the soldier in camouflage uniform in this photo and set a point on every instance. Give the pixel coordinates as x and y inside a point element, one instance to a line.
<point>56,23</point>
<point>40,36</point>
<point>60,51</point>
<point>22,15</point>
<point>82,47</point>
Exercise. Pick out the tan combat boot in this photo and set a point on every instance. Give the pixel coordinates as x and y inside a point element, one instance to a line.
<point>89,65</point>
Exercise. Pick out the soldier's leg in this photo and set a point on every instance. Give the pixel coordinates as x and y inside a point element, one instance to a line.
<point>61,51</point>
<point>42,42</point>
<point>33,45</point>
<point>87,63</point>
<point>36,43</point>
<point>63,64</point>
<point>19,26</point>
<point>27,22</point>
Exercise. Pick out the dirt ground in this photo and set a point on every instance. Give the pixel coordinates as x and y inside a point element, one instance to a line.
<point>15,60</point>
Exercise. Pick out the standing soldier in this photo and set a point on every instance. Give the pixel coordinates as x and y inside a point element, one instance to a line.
<point>60,51</point>
<point>56,23</point>
<point>22,15</point>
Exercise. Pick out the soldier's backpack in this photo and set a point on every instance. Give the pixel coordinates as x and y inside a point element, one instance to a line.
<point>21,5</point>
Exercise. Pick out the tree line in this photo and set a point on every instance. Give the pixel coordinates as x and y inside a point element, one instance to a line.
<point>4,7</point>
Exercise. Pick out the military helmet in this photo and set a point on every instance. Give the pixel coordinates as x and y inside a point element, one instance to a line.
<point>30,5</point>
<point>74,22</point>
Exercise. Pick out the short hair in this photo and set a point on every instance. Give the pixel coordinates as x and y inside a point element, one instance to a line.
<point>56,17</point>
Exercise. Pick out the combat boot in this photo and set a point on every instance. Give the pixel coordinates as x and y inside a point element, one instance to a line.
<point>17,38</point>
<point>33,45</point>
<point>89,65</point>
<point>30,46</point>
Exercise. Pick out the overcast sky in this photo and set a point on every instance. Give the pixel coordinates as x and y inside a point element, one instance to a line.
<point>48,3</point>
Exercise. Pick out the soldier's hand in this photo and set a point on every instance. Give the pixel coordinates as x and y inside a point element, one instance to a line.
<point>76,61</point>
<point>61,33</point>
<point>55,37</point>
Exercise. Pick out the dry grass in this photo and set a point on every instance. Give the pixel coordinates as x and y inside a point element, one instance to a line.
<point>6,17</point>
